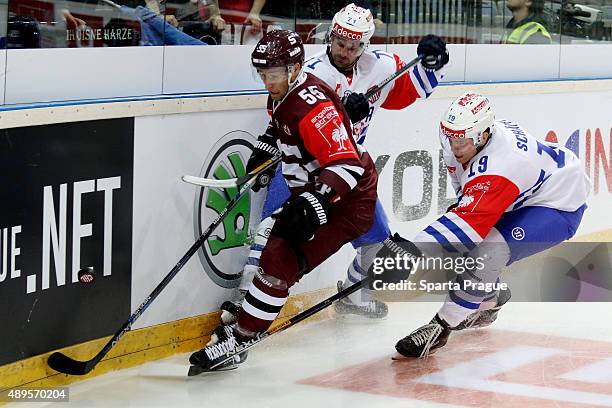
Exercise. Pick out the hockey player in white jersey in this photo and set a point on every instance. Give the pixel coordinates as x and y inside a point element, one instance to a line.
<point>517,196</point>
<point>349,68</point>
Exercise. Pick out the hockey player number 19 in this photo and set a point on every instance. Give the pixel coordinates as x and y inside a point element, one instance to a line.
<point>482,166</point>
<point>311,95</point>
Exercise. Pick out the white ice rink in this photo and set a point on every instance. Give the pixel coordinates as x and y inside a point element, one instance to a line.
<point>535,355</point>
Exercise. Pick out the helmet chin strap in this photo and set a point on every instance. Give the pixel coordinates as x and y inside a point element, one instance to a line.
<point>290,71</point>
<point>482,145</point>
<point>291,83</point>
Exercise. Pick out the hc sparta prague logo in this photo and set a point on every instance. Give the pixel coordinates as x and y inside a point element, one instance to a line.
<point>224,254</point>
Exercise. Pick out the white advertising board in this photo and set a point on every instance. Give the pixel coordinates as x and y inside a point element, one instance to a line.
<point>412,186</point>
<point>169,214</point>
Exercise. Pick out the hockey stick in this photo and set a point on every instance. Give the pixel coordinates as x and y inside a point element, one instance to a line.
<point>232,182</point>
<point>111,3</point>
<point>393,77</point>
<point>195,370</point>
<point>64,364</point>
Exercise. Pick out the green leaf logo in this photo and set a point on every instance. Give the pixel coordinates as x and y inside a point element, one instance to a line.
<point>236,224</point>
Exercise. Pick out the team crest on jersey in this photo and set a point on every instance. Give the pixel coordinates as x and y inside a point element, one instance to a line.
<point>330,126</point>
<point>472,196</point>
<point>478,188</point>
<point>465,201</point>
<point>340,137</point>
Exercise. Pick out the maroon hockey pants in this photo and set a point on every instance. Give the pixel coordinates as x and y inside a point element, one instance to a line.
<point>282,263</point>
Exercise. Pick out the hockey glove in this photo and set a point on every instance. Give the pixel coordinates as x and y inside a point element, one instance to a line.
<point>300,217</point>
<point>433,48</point>
<point>394,261</point>
<point>264,151</point>
<point>357,106</point>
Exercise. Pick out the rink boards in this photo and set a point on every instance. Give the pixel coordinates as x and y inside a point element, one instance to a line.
<point>99,185</point>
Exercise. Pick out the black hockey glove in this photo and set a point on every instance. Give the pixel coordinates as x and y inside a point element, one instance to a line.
<point>357,106</point>
<point>264,151</point>
<point>434,50</point>
<point>299,217</point>
<point>394,261</point>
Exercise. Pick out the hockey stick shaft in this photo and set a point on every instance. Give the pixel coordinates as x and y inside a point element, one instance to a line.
<point>64,364</point>
<point>393,77</point>
<point>292,321</point>
<point>233,182</point>
<point>111,3</point>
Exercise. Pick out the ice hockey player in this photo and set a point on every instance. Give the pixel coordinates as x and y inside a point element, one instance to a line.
<point>350,69</point>
<point>332,182</point>
<point>517,196</point>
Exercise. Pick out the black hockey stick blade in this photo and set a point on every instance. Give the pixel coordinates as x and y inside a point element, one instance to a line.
<point>64,364</point>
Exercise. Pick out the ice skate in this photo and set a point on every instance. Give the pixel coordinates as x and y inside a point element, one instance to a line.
<point>425,340</point>
<point>373,309</point>
<point>222,344</point>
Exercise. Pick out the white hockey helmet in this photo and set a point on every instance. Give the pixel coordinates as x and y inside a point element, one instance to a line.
<point>468,117</point>
<point>353,23</point>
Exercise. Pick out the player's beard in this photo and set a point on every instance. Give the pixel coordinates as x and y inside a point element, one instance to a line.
<point>344,67</point>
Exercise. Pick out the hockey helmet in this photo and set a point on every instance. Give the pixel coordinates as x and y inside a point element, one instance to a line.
<point>467,118</point>
<point>278,48</point>
<point>353,23</point>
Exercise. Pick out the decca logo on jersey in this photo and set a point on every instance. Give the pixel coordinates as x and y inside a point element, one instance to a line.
<point>224,254</point>
<point>343,32</point>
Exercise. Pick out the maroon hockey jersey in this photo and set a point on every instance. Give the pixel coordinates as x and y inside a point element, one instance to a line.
<point>314,134</point>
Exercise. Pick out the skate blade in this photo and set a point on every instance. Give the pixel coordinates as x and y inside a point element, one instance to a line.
<point>400,357</point>
<point>196,370</point>
<point>358,319</point>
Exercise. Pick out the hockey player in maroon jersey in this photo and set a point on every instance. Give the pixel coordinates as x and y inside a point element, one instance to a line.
<point>332,182</point>
<point>351,68</point>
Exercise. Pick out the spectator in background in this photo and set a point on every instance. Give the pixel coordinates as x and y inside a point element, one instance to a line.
<point>122,32</point>
<point>22,32</point>
<point>240,20</point>
<point>526,25</point>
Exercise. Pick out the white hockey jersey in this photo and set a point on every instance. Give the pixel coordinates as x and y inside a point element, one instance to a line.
<point>371,69</point>
<point>512,171</point>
